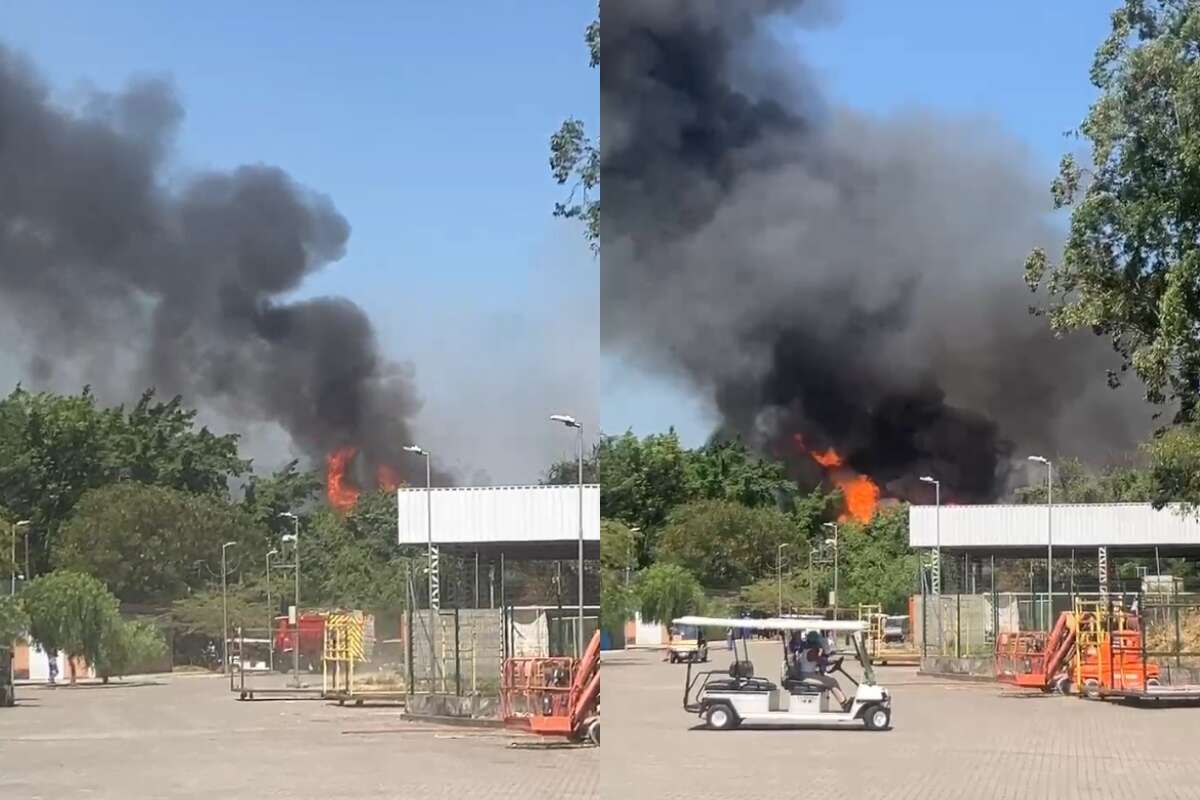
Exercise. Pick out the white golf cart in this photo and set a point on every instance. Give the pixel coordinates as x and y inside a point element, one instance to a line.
<point>687,644</point>
<point>728,699</point>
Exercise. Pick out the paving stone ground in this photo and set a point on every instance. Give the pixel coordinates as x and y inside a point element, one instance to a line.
<point>186,737</point>
<point>949,740</point>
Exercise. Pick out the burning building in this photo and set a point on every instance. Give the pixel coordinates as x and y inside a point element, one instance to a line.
<point>846,289</point>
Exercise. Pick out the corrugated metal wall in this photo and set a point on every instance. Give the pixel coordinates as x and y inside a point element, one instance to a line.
<point>1116,524</point>
<point>499,514</point>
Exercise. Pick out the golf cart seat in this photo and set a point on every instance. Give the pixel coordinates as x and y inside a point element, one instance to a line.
<point>798,686</point>
<point>741,669</point>
<point>741,679</point>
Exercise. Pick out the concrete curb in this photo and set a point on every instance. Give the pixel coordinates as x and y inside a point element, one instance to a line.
<point>454,722</point>
<point>957,676</point>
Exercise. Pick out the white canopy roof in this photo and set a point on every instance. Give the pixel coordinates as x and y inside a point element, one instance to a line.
<point>1070,525</point>
<point>539,521</point>
<point>775,623</point>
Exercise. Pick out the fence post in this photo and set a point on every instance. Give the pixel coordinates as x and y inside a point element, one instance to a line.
<point>958,613</point>
<point>1178,639</point>
<point>995,607</point>
<point>457,660</point>
<point>924,614</point>
<point>408,634</point>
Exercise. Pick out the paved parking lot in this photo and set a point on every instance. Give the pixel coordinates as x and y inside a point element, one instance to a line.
<point>186,737</point>
<point>949,740</point>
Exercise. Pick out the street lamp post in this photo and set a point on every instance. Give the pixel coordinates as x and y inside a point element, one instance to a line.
<point>1049,538</point>
<point>812,584</point>
<point>225,610</point>
<point>295,539</point>
<point>834,542</point>
<point>779,574</point>
<point>629,555</point>
<point>937,557</point>
<point>571,422</point>
<point>435,600</point>
<point>12,577</point>
<point>270,614</point>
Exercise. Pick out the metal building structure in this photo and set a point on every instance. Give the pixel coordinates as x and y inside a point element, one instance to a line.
<point>998,559</point>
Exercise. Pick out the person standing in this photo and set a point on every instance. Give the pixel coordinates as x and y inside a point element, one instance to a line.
<point>52,659</point>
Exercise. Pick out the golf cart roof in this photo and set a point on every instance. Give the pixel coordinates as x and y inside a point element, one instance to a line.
<point>775,623</point>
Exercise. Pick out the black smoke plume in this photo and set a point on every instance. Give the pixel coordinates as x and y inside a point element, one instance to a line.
<point>138,278</point>
<point>818,271</point>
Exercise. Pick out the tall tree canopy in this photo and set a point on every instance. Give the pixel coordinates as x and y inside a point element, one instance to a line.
<point>54,448</point>
<point>1131,266</point>
<point>726,544</point>
<point>144,541</point>
<point>575,161</point>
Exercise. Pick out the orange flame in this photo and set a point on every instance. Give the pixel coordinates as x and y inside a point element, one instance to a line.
<point>861,497</point>
<point>829,458</point>
<point>341,495</point>
<point>387,477</point>
<point>860,494</point>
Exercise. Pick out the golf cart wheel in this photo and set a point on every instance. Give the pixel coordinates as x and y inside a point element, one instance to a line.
<point>877,718</point>
<point>720,717</point>
<point>1063,686</point>
<point>672,658</point>
<point>1152,682</point>
<point>593,732</point>
<point>1091,689</point>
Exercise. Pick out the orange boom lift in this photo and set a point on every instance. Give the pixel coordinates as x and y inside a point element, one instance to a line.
<point>554,696</point>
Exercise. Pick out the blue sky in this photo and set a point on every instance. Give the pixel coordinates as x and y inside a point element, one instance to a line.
<point>427,124</point>
<point>1022,63</point>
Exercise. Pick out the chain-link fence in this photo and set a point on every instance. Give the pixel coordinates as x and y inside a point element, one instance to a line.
<point>960,609</point>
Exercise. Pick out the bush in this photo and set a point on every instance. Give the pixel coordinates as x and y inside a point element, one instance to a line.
<point>129,646</point>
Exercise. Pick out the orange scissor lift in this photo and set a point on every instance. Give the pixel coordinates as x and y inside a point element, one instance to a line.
<point>554,696</point>
<point>1110,660</point>
<point>1095,650</point>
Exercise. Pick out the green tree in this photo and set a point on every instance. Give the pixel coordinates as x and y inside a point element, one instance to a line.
<point>618,548</point>
<point>286,490</point>
<point>566,473</point>
<point>725,544</point>
<point>575,160</point>
<point>1074,482</point>
<point>144,541</point>
<point>1175,466</point>
<point>54,448</point>
<point>14,621</point>
<point>763,595</point>
<point>641,480</point>
<point>70,612</point>
<point>355,560</point>
<point>726,470</point>
<point>667,591</point>
<point>157,443</point>
<point>1131,266</point>
<point>876,564</point>
<point>618,545</point>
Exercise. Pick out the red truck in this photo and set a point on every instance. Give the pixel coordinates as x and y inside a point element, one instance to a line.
<point>312,642</point>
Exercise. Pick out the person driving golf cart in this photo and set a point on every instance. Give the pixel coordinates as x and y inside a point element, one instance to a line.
<point>811,664</point>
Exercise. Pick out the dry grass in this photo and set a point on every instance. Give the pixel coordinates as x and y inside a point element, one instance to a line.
<point>1161,633</point>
